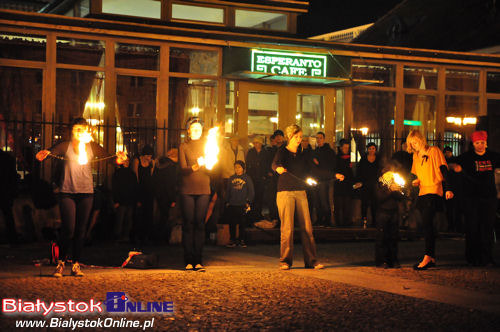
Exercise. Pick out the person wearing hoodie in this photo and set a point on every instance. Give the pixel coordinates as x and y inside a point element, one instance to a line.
<point>165,180</point>
<point>239,195</point>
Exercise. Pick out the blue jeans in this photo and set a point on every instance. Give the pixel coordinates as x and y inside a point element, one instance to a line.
<point>194,210</point>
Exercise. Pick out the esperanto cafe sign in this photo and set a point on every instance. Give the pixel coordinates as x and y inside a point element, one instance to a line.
<point>287,63</point>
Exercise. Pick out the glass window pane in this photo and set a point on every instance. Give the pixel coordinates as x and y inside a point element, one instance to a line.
<point>22,47</point>
<point>310,113</point>
<point>373,71</point>
<point>262,113</point>
<point>462,80</point>
<point>136,113</point>
<point>197,13</point>
<point>140,8</point>
<point>420,78</point>
<point>194,61</point>
<point>373,113</point>
<point>230,119</point>
<point>260,20</point>
<point>80,51</point>
<point>420,113</point>
<point>339,115</point>
<point>190,97</point>
<point>461,116</point>
<point>493,82</point>
<point>137,56</point>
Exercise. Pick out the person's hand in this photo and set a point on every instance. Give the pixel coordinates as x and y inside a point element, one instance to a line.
<point>280,170</point>
<point>415,183</point>
<point>172,205</point>
<point>448,195</point>
<point>340,177</point>
<point>456,168</point>
<point>116,205</point>
<point>394,187</point>
<point>358,185</point>
<point>41,155</point>
<point>315,161</point>
<point>195,167</point>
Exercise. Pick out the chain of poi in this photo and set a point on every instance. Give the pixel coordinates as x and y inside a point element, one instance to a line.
<point>90,161</point>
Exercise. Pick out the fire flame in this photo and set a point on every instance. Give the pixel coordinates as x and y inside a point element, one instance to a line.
<point>211,149</point>
<point>83,138</point>
<point>389,178</point>
<point>398,179</point>
<point>311,182</point>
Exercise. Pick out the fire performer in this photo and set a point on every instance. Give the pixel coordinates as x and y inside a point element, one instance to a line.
<point>292,167</point>
<point>478,169</point>
<point>431,170</point>
<point>76,189</point>
<point>196,158</point>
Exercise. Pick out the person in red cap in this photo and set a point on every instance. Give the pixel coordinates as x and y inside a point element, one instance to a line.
<point>477,167</point>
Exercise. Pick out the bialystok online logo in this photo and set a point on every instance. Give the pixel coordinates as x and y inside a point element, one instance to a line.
<point>116,302</point>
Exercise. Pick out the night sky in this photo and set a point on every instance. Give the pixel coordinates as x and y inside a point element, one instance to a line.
<point>331,15</point>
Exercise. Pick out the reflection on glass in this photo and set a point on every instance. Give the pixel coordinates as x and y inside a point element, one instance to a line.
<point>187,98</point>
<point>420,113</point>
<point>372,115</point>
<point>22,47</point>
<point>462,113</point>
<point>420,78</point>
<point>194,61</point>
<point>140,8</point>
<point>462,80</point>
<point>260,20</point>
<point>80,51</point>
<point>339,115</point>
<point>493,82</point>
<point>262,112</point>
<point>136,111</point>
<point>197,13</point>
<point>310,113</point>
<point>374,71</point>
<point>230,120</point>
<point>137,56</point>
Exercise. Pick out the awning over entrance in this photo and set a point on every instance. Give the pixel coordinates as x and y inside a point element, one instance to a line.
<point>289,66</point>
<point>330,81</point>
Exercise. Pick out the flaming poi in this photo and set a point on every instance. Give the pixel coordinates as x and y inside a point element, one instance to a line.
<point>211,149</point>
<point>311,182</point>
<point>83,138</point>
<point>389,178</point>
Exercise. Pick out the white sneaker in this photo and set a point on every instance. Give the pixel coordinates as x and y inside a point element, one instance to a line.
<point>58,273</point>
<point>76,271</point>
<point>199,268</point>
<point>189,267</point>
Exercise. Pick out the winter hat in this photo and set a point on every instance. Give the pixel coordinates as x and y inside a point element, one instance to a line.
<point>241,163</point>
<point>479,135</point>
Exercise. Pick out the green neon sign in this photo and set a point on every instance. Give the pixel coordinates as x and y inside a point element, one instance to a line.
<point>286,63</point>
<point>410,122</point>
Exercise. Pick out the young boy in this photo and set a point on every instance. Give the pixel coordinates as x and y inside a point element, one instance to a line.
<point>240,194</point>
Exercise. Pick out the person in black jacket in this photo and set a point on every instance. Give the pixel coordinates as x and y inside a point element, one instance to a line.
<point>165,179</point>
<point>324,158</point>
<point>367,173</point>
<point>257,160</point>
<point>9,180</point>
<point>343,189</point>
<point>478,170</point>
<point>293,168</point>
<point>124,189</point>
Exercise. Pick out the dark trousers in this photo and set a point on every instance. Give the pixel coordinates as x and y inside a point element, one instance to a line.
<point>194,210</point>
<point>454,214</point>
<point>236,216</point>
<point>273,208</point>
<point>6,208</point>
<point>145,219</point>
<point>480,219</point>
<point>75,213</point>
<point>386,241</point>
<point>368,199</point>
<point>429,205</point>
<point>124,221</point>
<point>162,230</point>
<point>323,211</point>
<point>293,204</point>
<point>342,209</point>
<point>256,212</point>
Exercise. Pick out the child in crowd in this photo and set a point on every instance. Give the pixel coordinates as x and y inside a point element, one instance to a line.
<point>240,194</point>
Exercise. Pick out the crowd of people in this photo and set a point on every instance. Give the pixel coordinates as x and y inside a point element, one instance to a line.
<point>270,182</point>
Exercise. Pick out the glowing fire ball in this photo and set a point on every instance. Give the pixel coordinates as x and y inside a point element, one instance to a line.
<point>389,178</point>
<point>311,182</point>
<point>83,138</point>
<point>211,148</point>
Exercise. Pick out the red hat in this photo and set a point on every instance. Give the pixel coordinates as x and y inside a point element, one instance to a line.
<point>480,135</point>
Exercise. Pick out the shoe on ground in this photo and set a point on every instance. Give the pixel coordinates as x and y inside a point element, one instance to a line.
<point>58,273</point>
<point>231,244</point>
<point>199,268</point>
<point>189,267</point>
<point>284,266</point>
<point>242,244</point>
<point>76,271</point>
<point>319,266</point>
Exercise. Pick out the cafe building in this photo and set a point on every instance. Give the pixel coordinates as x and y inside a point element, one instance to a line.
<point>137,69</point>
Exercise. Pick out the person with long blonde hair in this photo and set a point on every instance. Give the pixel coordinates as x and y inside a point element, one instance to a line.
<point>429,165</point>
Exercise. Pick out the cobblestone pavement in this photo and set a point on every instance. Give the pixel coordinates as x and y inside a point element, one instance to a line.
<point>244,290</point>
